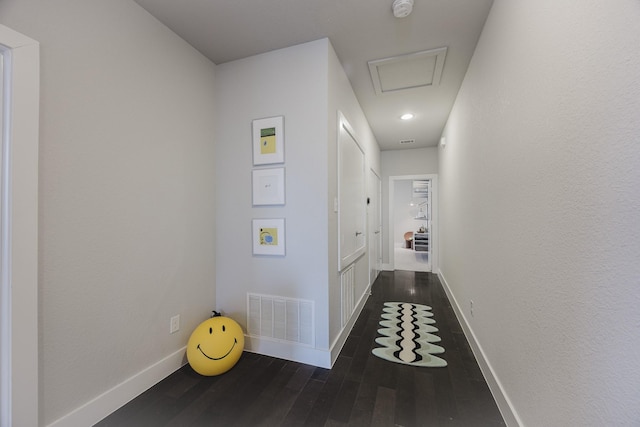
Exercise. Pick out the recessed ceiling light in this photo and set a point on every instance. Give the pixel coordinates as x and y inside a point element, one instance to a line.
<point>407,116</point>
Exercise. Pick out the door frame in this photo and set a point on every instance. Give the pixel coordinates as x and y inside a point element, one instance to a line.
<point>434,216</point>
<point>19,356</point>
<point>374,222</point>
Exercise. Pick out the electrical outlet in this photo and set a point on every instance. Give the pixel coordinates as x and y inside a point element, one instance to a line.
<point>174,325</point>
<point>471,307</point>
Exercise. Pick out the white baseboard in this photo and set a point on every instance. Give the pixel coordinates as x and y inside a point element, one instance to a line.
<point>288,351</point>
<point>505,406</point>
<point>106,403</point>
<point>386,267</point>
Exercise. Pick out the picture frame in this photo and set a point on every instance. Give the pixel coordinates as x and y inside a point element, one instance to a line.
<point>268,186</point>
<point>269,236</point>
<point>268,140</point>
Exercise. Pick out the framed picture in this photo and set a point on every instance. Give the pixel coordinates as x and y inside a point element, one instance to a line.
<point>268,186</point>
<point>268,141</point>
<point>268,236</point>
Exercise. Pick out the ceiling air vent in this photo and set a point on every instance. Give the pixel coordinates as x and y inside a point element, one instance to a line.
<point>407,141</point>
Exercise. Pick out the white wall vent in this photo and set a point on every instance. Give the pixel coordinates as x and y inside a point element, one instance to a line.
<point>407,141</point>
<point>280,318</point>
<point>347,286</point>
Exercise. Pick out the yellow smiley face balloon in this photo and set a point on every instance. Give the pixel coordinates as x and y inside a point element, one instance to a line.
<point>215,346</point>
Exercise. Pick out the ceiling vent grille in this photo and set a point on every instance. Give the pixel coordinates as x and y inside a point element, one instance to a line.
<point>407,141</point>
<point>411,71</point>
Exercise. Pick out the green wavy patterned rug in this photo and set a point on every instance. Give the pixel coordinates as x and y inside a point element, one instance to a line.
<point>408,335</point>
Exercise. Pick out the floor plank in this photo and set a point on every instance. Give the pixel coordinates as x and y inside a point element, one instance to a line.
<point>384,408</point>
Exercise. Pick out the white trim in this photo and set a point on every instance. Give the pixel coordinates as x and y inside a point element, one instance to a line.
<point>387,267</point>
<point>98,408</point>
<point>344,260</point>
<point>505,405</point>
<point>341,339</point>
<point>377,218</point>
<point>5,250</point>
<point>434,217</point>
<point>439,54</point>
<point>19,354</point>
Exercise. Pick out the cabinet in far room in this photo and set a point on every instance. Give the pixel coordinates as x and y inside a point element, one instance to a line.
<point>421,242</point>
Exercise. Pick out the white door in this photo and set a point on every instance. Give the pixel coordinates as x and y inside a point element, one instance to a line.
<point>374,222</point>
<point>352,208</point>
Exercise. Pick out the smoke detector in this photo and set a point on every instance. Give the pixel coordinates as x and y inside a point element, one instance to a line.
<point>402,8</point>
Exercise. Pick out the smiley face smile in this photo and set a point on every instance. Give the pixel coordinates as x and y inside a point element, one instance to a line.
<point>235,341</point>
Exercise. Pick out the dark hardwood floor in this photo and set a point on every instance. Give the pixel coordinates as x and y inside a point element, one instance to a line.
<point>360,390</point>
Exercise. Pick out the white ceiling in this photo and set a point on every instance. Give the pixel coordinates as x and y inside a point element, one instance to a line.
<point>360,31</point>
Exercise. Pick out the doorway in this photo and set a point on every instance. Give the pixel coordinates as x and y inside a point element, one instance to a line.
<point>412,240</point>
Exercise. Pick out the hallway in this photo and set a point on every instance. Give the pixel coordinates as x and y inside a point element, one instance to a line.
<point>360,390</point>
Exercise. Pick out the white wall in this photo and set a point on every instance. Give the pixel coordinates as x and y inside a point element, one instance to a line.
<point>292,83</point>
<point>539,208</point>
<point>415,161</point>
<point>126,194</point>
<point>306,85</point>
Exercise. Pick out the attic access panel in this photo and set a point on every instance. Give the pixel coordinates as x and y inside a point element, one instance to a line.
<point>409,71</point>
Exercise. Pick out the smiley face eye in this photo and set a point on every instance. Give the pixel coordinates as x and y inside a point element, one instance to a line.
<point>223,328</point>
<point>210,331</point>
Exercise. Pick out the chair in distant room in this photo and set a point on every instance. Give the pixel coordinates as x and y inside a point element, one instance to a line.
<point>408,239</point>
